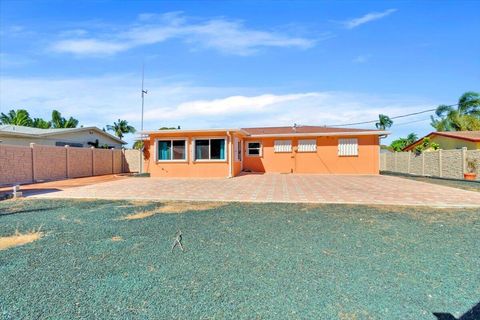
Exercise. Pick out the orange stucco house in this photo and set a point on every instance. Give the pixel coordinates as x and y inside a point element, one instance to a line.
<point>228,152</point>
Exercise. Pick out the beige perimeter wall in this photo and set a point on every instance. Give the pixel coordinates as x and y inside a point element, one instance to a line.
<point>440,163</point>
<point>36,163</point>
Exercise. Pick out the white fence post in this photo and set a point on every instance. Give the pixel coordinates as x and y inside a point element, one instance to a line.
<point>32,145</point>
<point>93,160</point>
<point>440,165</point>
<point>409,161</point>
<point>395,161</point>
<point>423,163</point>
<point>67,149</point>
<point>464,160</point>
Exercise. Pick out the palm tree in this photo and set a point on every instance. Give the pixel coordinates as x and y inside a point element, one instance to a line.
<point>120,128</point>
<point>60,122</point>
<point>465,117</point>
<point>384,122</point>
<point>41,123</point>
<point>19,117</point>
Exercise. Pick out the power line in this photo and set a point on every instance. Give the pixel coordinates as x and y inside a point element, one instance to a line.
<point>405,123</point>
<point>396,117</point>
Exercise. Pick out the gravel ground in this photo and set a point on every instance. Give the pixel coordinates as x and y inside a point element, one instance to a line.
<point>247,261</point>
<point>460,184</point>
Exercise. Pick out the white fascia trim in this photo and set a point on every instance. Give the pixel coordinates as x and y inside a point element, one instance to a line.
<point>193,131</point>
<point>327,134</point>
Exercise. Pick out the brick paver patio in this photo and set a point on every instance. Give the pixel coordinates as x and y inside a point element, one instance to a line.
<point>355,189</point>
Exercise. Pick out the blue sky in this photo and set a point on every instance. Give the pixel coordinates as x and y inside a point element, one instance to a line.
<point>238,64</point>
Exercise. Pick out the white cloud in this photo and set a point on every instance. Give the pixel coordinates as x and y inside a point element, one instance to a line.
<point>361,59</point>
<point>372,16</point>
<point>89,47</point>
<point>226,36</point>
<point>102,100</point>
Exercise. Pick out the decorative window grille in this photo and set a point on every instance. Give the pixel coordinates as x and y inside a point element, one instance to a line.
<point>309,145</point>
<point>283,146</point>
<point>348,147</point>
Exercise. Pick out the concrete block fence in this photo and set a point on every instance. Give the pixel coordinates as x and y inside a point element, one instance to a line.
<point>440,163</point>
<point>19,164</point>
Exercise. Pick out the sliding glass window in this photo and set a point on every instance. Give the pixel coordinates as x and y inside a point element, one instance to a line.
<point>210,149</point>
<point>171,150</point>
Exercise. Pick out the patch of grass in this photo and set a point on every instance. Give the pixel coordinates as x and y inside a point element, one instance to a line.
<point>244,260</point>
<point>20,239</point>
<point>175,207</point>
<point>460,184</point>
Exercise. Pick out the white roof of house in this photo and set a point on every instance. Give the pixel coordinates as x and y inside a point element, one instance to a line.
<point>37,132</point>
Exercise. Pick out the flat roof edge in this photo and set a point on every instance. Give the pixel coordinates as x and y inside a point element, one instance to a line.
<point>322,134</point>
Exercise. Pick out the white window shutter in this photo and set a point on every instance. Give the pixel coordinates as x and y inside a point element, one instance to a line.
<point>283,146</point>
<point>348,147</point>
<point>309,145</point>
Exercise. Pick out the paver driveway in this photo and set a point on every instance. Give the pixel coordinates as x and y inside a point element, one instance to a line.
<point>355,189</point>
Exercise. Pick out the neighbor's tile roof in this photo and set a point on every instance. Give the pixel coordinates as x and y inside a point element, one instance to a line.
<point>464,135</point>
<point>300,129</point>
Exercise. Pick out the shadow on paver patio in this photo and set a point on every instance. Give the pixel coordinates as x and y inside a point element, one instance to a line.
<point>472,314</point>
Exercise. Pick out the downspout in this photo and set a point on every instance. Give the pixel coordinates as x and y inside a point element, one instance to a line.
<point>230,175</point>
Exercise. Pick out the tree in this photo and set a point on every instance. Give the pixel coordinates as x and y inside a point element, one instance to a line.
<point>60,122</point>
<point>384,122</point>
<point>138,145</point>
<point>401,143</point>
<point>20,117</point>
<point>465,117</point>
<point>426,145</point>
<point>41,123</point>
<point>120,128</point>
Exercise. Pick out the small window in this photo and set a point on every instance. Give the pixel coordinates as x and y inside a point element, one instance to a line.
<point>347,147</point>
<point>254,149</point>
<point>309,145</point>
<point>70,144</point>
<point>282,146</point>
<point>238,150</point>
<point>169,150</point>
<point>210,149</point>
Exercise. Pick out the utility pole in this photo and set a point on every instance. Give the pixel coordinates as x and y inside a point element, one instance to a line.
<point>144,92</point>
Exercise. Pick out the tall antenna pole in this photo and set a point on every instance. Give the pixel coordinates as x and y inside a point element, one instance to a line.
<point>144,92</point>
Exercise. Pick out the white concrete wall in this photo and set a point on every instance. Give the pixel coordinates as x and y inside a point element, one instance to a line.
<point>441,163</point>
<point>82,137</point>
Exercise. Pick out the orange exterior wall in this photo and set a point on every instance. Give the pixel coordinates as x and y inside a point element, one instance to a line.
<point>190,168</point>
<point>325,160</point>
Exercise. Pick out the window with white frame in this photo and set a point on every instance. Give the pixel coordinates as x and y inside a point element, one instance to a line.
<point>348,147</point>
<point>282,146</point>
<point>172,150</point>
<point>308,145</point>
<point>238,150</point>
<point>210,149</point>
<point>254,149</point>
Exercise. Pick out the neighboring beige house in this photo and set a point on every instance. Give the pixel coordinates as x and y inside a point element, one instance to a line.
<point>75,137</point>
<point>451,140</point>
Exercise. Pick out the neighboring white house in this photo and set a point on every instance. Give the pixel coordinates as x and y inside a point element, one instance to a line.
<point>75,137</point>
